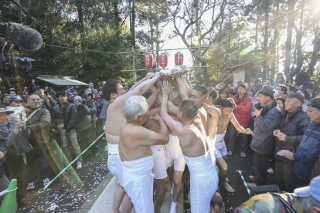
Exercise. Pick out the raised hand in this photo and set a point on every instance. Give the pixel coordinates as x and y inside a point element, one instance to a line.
<point>165,89</point>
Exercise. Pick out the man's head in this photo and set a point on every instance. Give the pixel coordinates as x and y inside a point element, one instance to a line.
<point>34,101</point>
<point>310,195</point>
<point>213,94</point>
<point>89,96</point>
<point>282,89</point>
<point>59,123</point>
<point>112,89</point>
<point>310,88</point>
<point>293,101</point>
<point>61,96</point>
<point>70,97</point>
<point>38,90</point>
<point>199,94</point>
<point>15,101</point>
<point>91,84</point>
<point>13,92</point>
<point>266,83</point>
<point>188,110</point>
<point>227,106</point>
<point>4,114</point>
<point>314,109</point>
<point>77,100</point>
<point>258,82</point>
<point>136,109</point>
<point>266,95</point>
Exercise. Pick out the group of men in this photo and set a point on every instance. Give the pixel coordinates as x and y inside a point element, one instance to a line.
<point>137,128</point>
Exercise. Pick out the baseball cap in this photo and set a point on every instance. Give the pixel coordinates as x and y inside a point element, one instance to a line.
<point>15,98</point>
<point>297,96</point>
<point>311,190</point>
<point>70,94</point>
<point>315,102</point>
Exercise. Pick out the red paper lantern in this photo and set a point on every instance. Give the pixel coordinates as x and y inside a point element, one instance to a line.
<point>178,58</point>
<point>148,61</point>
<point>163,60</point>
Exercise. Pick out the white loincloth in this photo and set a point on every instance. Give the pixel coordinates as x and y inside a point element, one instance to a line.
<point>203,182</point>
<point>174,154</point>
<point>221,148</point>
<point>160,167</point>
<point>138,183</point>
<point>114,162</point>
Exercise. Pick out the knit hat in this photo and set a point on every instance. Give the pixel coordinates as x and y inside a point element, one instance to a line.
<point>268,91</point>
<point>297,96</point>
<point>315,102</point>
<point>97,96</point>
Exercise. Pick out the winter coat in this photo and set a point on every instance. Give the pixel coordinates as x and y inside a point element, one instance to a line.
<point>84,117</point>
<point>3,148</point>
<point>307,152</point>
<point>69,114</point>
<point>293,125</point>
<point>39,124</point>
<point>242,111</point>
<point>264,125</point>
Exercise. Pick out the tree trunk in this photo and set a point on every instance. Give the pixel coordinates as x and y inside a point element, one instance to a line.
<point>315,52</point>
<point>274,49</point>
<point>266,37</point>
<point>287,59</point>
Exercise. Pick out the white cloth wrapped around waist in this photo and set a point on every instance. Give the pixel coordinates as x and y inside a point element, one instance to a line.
<point>220,137</point>
<point>201,167</point>
<point>136,169</point>
<point>113,149</point>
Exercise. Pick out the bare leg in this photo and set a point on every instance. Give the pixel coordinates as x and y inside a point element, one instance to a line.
<point>177,181</point>
<point>161,189</point>
<point>223,174</point>
<point>126,204</point>
<point>117,198</point>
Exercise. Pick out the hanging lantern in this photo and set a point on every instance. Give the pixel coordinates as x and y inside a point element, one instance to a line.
<point>163,60</point>
<point>148,61</point>
<point>178,58</point>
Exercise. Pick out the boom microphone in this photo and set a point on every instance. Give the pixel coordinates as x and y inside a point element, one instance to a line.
<point>21,36</point>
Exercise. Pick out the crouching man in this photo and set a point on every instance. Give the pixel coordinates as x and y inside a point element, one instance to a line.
<point>135,152</point>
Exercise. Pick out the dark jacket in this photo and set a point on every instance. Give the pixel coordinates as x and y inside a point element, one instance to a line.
<point>69,114</point>
<point>316,169</point>
<point>3,148</point>
<point>306,154</point>
<point>264,125</point>
<point>293,125</point>
<point>84,117</point>
<point>242,111</point>
<point>39,124</point>
<point>11,137</point>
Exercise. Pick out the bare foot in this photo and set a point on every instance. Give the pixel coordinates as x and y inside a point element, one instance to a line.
<point>227,187</point>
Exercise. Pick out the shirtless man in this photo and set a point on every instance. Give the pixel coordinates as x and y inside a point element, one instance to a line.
<point>114,93</point>
<point>203,176</point>
<point>136,154</point>
<point>227,106</point>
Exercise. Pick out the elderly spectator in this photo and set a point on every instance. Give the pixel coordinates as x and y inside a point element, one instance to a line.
<point>68,112</point>
<point>48,101</point>
<point>15,162</point>
<point>242,112</point>
<point>293,123</point>
<point>303,200</point>
<point>84,127</point>
<point>265,122</point>
<point>308,150</point>
<point>38,123</point>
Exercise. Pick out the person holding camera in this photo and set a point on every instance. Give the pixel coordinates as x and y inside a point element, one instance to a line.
<point>265,122</point>
<point>47,100</point>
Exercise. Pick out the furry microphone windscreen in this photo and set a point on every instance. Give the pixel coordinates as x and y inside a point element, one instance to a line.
<point>24,37</point>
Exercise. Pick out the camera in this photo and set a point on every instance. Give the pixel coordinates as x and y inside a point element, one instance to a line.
<point>258,106</point>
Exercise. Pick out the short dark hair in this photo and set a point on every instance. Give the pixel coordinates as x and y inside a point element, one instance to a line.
<point>228,102</point>
<point>202,89</point>
<point>283,88</point>
<point>292,88</point>
<point>213,94</point>
<point>244,86</point>
<point>61,92</point>
<point>189,108</point>
<point>109,87</point>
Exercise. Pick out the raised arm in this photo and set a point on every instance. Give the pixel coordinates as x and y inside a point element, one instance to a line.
<point>154,96</point>
<point>175,126</point>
